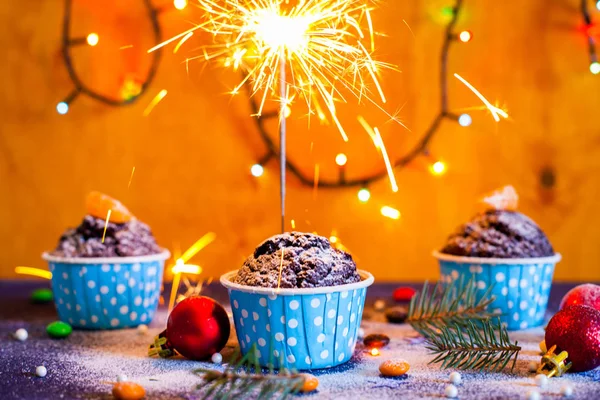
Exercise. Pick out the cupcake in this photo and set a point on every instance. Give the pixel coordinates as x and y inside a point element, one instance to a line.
<point>106,275</point>
<point>298,302</point>
<point>506,250</point>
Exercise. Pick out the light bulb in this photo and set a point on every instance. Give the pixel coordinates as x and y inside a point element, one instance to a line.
<point>257,170</point>
<point>465,36</point>
<point>62,108</point>
<point>180,4</point>
<point>464,120</point>
<point>595,68</point>
<point>390,212</point>
<point>341,159</point>
<point>438,168</point>
<point>364,195</point>
<point>92,39</point>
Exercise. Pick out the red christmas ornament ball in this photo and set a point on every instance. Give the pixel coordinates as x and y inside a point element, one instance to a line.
<point>576,330</point>
<point>198,327</point>
<point>587,295</point>
<point>403,294</point>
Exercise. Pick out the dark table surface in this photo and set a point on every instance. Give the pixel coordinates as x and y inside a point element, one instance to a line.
<point>78,367</point>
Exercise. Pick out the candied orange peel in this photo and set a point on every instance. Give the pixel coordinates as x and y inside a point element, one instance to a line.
<point>502,199</point>
<point>97,204</point>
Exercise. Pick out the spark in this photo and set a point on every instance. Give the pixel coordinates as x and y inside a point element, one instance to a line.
<point>182,41</point>
<point>106,224</point>
<point>42,273</point>
<point>496,112</point>
<point>408,26</point>
<point>161,95</point>
<point>390,212</point>
<point>181,267</point>
<point>128,46</point>
<point>293,224</point>
<point>319,40</point>
<point>131,177</point>
<point>378,142</point>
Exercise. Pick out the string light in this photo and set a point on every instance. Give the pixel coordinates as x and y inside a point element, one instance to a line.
<point>364,195</point>
<point>465,36</point>
<point>465,120</point>
<point>341,159</point>
<point>438,168</point>
<point>257,170</point>
<point>92,39</point>
<point>62,108</point>
<point>419,149</point>
<point>180,4</point>
<point>390,212</point>
<point>595,68</point>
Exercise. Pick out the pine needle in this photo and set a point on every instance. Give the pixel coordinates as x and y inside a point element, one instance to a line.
<point>470,347</point>
<point>454,303</point>
<point>245,378</point>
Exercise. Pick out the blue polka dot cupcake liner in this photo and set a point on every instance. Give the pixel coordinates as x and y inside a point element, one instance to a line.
<point>298,328</point>
<point>521,286</point>
<point>106,293</point>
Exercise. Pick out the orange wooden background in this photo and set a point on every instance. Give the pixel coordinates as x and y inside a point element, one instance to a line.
<point>192,154</point>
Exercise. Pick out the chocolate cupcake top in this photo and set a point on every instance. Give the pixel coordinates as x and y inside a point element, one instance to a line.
<point>309,261</point>
<point>132,238</point>
<point>499,234</point>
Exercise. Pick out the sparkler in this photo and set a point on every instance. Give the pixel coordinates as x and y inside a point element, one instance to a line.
<point>42,273</point>
<point>317,42</point>
<point>106,224</point>
<point>496,112</point>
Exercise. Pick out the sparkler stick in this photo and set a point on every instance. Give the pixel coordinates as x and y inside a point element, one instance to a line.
<point>282,136</point>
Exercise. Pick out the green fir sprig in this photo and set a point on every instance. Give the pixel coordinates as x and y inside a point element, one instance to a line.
<point>245,377</point>
<point>451,303</point>
<point>467,346</point>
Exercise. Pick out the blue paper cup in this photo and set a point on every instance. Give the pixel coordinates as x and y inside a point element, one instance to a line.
<point>521,285</point>
<point>298,328</point>
<point>106,293</point>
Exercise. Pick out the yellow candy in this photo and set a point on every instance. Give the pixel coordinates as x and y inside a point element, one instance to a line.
<point>128,391</point>
<point>310,383</point>
<point>394,367</point>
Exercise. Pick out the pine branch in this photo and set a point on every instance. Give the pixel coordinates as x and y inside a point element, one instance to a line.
<point>453,303</point>
<point>241,379</point>
<point>484,347</point>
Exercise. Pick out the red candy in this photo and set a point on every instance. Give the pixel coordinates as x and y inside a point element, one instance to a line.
<point>586,295</point>
<point>403,294</point>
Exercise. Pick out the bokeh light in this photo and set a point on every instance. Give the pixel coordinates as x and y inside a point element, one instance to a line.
<point>180,4</point>
<point>438,168</point>
<point>92,39</point>
<point>465,120</point>
<point>390,212</point>
<point>341,159</point>
<point>465,36</point>
<point>62,108</point>
<point>595,68</point>
<point>364,195</point>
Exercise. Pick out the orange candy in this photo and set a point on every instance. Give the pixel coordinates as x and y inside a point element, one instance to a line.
<point>97,204</point>
<point>310,383</point>
<point>503,199</point>
<point>394,367</point>
<point>128,391</point>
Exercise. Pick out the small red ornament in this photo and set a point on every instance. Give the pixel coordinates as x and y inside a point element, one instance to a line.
<point>587,295</point>
<point>403,294</point>
<point>576,330</point>
<point>197,328</point>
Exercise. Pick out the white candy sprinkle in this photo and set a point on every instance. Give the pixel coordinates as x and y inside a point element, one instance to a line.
<point>451,392</point>
<point>533,366</point>
<point>566,391</point>
<point>217,358</point>
<point>541,380</point>
<point>41,371</point>
<point>455,378</point>
<point>142,329</point>
<point>21,334</point>
<point>532,395</point>
<point>122,378</point>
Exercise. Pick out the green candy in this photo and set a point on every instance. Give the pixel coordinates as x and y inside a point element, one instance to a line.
<point>42,296</point>
<point>59,329</point>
